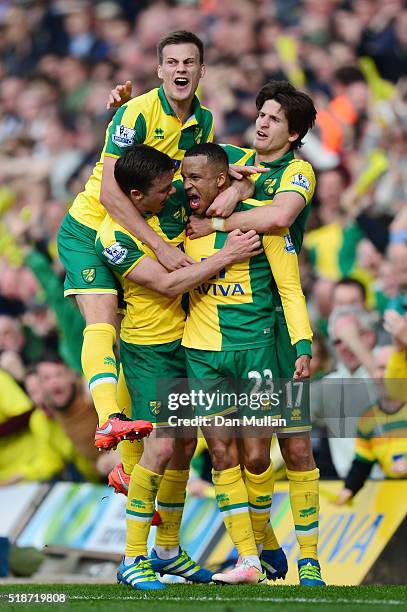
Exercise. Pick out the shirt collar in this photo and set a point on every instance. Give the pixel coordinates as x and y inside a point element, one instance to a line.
<point>280,161</point>
<point>251,160</point>
<point>196,106</point>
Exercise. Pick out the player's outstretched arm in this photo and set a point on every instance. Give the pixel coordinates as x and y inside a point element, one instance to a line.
<point>266,219</point>
<point>122,210</point>
<point>153,275</point>
<point>119,95</point>
<point>282,213</point>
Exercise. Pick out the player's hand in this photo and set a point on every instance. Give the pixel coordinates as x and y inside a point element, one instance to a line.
<point>240,246</point>
<point>344,497</point>
<point>119,95</point>
<point>173,258</point>
<point>302,368</point>
<point>239,172</point>
<point>225,203</point>
<point>198,227</point>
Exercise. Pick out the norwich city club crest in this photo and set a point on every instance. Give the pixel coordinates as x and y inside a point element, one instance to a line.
<point>89,275</point>
<point>155,407</point>
<point>198,135</point>
<point>268,186</point>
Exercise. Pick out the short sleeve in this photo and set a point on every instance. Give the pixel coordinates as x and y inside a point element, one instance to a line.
<point>127,127</point>
<point>300,178</point>
<point>120,254</point>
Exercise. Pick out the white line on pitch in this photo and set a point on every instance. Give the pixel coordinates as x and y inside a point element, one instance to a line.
<point>372,602</point>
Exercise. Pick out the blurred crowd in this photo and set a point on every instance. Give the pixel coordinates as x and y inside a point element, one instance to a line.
<point>58,61</point>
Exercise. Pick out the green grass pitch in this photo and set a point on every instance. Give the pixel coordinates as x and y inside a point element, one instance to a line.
<point>212,598</point>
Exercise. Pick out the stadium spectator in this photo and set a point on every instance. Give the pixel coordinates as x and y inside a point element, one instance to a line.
<point>50,435</point>
<point>338,399</point>
<point>349,292</point>
<point>398,258</point>
<point>396,371</point>
<point>70,403</point>
<point>16,439</point>
<point>18,349</point>
<point>53,452</point>
<point>380,436</point>
<point>325,242</point>
<point>385,40</point>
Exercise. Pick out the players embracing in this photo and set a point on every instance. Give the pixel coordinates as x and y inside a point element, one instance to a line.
<point>172,120</point>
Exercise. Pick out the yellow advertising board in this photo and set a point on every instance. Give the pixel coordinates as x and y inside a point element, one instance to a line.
<point>351,537</point>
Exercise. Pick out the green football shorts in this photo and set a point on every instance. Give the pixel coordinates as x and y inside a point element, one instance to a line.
<point>154,373</point>
<point>85,272</point>
<point>296,407</point>
<point>236,383</point>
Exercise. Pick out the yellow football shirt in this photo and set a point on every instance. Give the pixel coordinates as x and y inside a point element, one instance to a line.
<point>382,437</point>
<point>147,119</point>
<point>235,309</point>
<point>151,318</point>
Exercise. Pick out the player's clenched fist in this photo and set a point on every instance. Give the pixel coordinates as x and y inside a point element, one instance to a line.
<point>198,226</point>
<point>240,245</point>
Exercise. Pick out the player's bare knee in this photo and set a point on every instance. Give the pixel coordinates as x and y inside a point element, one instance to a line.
<point>165,450</point>
<point>223,454</point>
<point>184,449</point>
<point>297,453</point>
<point>189,446</point>
<point>256,454</point>
<point>98,308</point>
<point>157,453</point>
<point>257,461</point>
